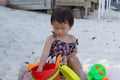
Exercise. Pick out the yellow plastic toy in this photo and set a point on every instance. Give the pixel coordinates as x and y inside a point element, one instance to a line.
<point>68,73</point>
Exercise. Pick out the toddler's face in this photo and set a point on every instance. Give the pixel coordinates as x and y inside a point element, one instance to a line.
<point>60,29</point>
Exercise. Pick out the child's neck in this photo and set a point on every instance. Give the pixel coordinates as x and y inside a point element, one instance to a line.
<point>64,38</point>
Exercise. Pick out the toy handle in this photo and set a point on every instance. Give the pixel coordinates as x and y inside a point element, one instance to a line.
<point>58,61</point>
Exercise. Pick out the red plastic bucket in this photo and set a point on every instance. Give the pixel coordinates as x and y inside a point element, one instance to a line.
<point>48,71</point>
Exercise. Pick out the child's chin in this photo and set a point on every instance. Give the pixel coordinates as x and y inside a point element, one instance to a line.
<point>61,35</point>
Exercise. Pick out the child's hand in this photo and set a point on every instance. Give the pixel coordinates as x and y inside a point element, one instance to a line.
<point>39,69</point>
<point>64,59</point>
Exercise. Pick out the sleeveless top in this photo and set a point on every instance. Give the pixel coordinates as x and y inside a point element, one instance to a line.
<point>60,47</point>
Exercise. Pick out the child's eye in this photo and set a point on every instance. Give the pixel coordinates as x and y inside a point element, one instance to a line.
<point>56,28</point>
<point>63,28</point>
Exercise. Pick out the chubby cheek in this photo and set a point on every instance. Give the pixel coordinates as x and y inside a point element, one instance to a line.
<point>61,31</point>
<point>58,32</point>
<point>55,30</point>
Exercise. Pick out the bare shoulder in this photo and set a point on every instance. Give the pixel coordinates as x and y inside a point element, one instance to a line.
<point>72,38</point>
<point>50,38</point>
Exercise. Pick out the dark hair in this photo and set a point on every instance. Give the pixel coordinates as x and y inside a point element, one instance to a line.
<point>63,15</point>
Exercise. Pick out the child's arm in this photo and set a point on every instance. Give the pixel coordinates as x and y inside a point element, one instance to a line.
<point>73,53</point>
<point>75,50</point>
<point>65,58</point>
<point>45,53</point>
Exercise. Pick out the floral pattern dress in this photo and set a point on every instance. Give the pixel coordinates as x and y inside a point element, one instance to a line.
<point>62,48</point>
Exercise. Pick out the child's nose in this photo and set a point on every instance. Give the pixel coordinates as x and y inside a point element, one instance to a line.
<point>60,30</point>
